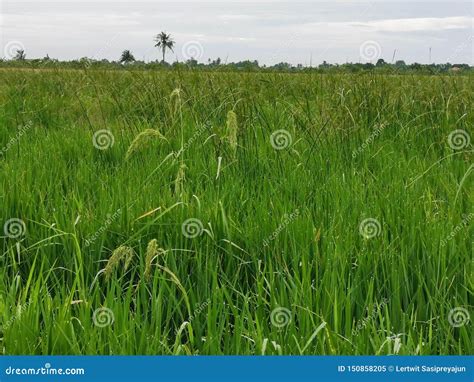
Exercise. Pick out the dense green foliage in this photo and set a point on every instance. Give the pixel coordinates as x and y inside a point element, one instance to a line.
<point>380,67</point>
<point>281,172</point>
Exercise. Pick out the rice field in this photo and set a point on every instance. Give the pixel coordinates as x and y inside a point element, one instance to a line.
<point>180,212</point>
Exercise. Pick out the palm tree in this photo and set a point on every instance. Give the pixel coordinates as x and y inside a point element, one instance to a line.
<point>127,57</point>
<point>20,55</point>
<point>164,42</point>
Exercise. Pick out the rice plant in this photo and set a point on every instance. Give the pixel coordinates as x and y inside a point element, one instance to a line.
<point>323,214</point>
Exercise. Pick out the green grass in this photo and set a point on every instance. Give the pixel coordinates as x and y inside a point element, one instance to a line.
<point>279,228</point>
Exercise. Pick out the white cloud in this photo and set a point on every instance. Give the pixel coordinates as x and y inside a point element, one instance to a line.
<point>418,24</point>
<point>237,17</point>
<point>389,25</point>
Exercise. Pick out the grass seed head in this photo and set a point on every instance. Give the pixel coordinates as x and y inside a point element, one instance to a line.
<point>175,98</point>
<point>143,140</point>
<point>152,251</point>
<point>122,253</point>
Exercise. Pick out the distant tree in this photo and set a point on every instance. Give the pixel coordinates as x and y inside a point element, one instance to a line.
<point>164,41</point>
<point>20,55</point>
<point>416,66</point>
<point>368,65</point>
<point>127,57</point>
<point>400,64</point>
<point>324,65</point>
<point>282,66</point>
<point>214,63</point>
<point>192,62</point>
<point>86,61</point>
<point>380,62</point>
<point>246,65</point>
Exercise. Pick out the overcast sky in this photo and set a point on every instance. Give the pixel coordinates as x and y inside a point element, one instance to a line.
<point>268,31</point>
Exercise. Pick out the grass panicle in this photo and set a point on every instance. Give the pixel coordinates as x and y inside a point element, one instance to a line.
<point>121,254</point>
<point>142,141</point>
<point>152,251</point>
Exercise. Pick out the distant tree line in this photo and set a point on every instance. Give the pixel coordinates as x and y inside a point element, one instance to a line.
<point>164,42</point>
<point>127,61</point>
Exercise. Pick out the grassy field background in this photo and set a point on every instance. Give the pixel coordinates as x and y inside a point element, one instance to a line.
<point>177,212</point>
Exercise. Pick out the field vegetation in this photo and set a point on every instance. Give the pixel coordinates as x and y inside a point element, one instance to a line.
<point>192,212</point>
